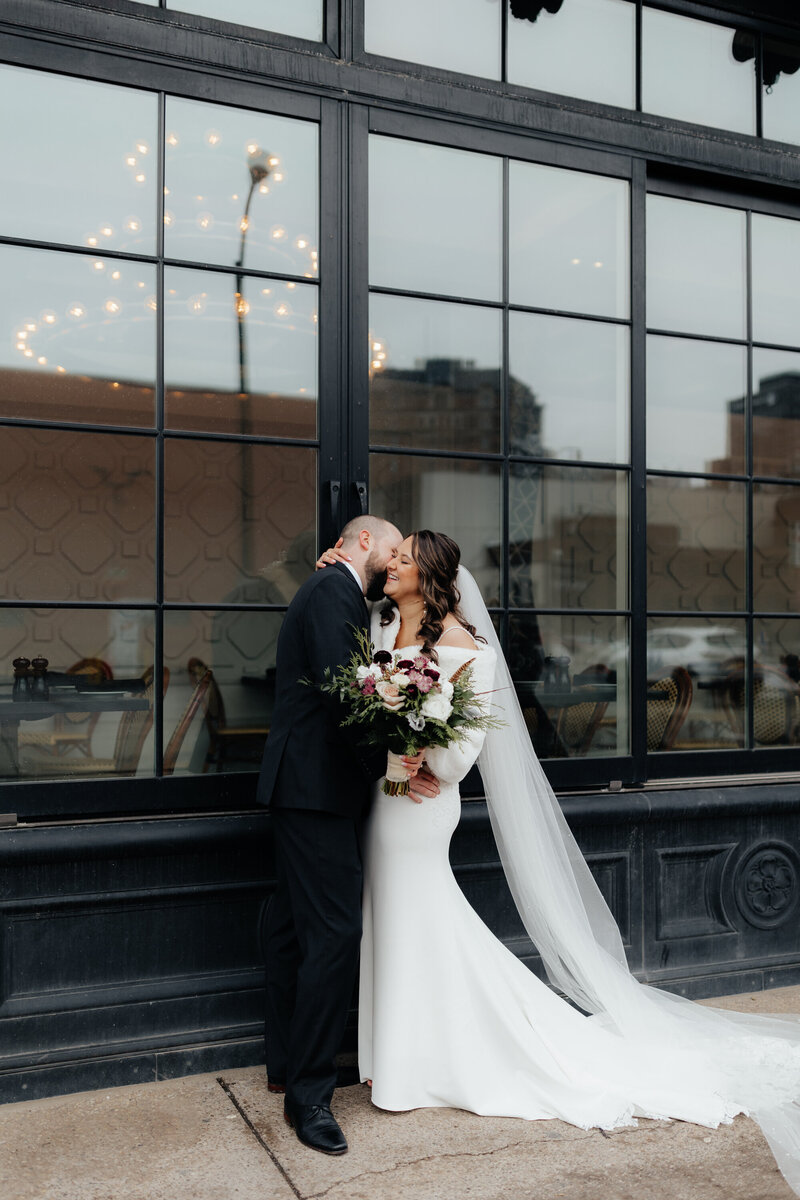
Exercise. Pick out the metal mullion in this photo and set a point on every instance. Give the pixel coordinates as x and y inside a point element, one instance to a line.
<point>661,472</point>
<point>638,44</point>
<point>409,294</point>
<point>75,426</point>
<point>213,606</point>
<point>594,463</point>
<point>697,337</point>
<point>749,589</point>
<point>199,435</point>
<point>776,346</point>
<point>637,529</point>
<point>682,614</point>
<point>74,248</point>
<point>115,605</point>
<point>544,610</point>
<point>505,398</point>
<point>425,452</point>
<point>758,82</point>
<point>232,269</point>
<point>331,358</point>
<point>158,691</point>
<point>504,42</point>
<point>598,319</point>
<point>356,181</point>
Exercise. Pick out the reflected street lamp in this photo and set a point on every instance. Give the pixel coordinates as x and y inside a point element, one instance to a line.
<point>258,163</point>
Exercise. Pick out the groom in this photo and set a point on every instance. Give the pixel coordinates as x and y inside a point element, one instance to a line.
<point>317,782</point>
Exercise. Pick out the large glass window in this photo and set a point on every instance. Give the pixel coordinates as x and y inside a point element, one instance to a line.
<point>471,403</point>
<point>458,35</point>
<point>301,18</point>
<point>722,531</point>
<point>158,486</point>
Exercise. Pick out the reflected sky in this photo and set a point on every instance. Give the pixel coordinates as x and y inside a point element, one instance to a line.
<point>79,161</point>
<point>776,280</point>
<point>301,18</point>
<point>457,35</point>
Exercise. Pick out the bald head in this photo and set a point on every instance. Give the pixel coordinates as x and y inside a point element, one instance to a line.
<point>370,542</point>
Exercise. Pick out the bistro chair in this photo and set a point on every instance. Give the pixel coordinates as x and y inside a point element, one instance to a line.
<point>197,701</point>
<point>776,706</point>
<point>222,737</point>
<point>73,730</point>
<point>665,717</point>
<point>579,722</point>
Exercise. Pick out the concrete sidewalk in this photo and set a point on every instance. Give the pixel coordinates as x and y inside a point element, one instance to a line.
<point>222,1137</point>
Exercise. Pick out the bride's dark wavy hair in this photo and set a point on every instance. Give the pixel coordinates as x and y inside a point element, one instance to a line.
<point>437,557</point>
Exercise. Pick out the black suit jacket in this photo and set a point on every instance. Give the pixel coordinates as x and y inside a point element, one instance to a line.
<point>309,761</point>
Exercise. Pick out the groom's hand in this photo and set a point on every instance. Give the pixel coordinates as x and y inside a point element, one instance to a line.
<point>424,786</point>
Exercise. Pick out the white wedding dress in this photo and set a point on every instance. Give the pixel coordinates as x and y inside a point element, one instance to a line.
<point>449,1017</point>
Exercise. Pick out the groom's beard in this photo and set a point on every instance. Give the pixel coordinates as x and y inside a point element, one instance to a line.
<point>376,580</point>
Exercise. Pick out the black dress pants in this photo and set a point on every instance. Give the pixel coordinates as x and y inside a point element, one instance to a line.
<point>311,941</point>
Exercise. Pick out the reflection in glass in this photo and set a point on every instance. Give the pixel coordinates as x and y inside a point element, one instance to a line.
<point>694,665</point>
<point>227,716</point>
<point>79,523</point>
<point>568,537</point>
<point>776,280</point>
<point>241,188</point>
<point>456,35</point>
<point>240,518</point>
<point>568,240</point>
<point>695,267</point>
<point>571,676</point>
<point>435,374</point>
<point>569,388</point>
<point>454,496</point>
<point>79,162</point>
<point>77,337</point>
<point>435,219</point>
<point>695,544</point>
<point>700,386</point>
<point>776,412</point>
<point>60,728</point>
<point>776,547</point>
<point>695,71</point>
<point>776,683</point>
<point>558,51</point>
<point>301,18</point>
<point>780,112</point>
<point>240,361</point>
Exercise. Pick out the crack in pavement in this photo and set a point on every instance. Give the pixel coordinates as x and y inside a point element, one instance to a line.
<point>229,1093</point>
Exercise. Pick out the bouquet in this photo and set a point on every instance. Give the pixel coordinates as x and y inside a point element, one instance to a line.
<point>403,702</point>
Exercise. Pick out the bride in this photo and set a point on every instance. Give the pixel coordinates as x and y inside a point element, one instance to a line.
<point>447,1015</point>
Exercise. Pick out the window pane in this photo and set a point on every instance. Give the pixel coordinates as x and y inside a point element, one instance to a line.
<point>557,52</point>
<point>241,188</point>
<point>56,726</point>
<point>238,518</point>
<point>776,280</point>
<point>435,219</point>
<point>694,668</point>
<point>435,374</point>
<point>571,675</point>
<point>301,18</point>
<point>776,683</point>
<point>689,72</point>
<point>776,412</point>
<point>79,162</point>
<point>221,724</point>
<point>568,537</point>
<point>77,520</point>
<point>695,544</point>
<point>457,35</point>
<point>455,496</point>
<point>569,387</point>
<point>78,338</point>
<point>568,245</point>
<point>700,386</point>
<point>776,547</point>
<point>695,267</point>
<point>781,95</point>
<point>240,361</point>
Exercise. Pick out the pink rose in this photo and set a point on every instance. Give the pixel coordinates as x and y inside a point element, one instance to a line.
<point>390,695</point>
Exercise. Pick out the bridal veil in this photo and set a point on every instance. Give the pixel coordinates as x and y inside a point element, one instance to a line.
<point>737,1062</point>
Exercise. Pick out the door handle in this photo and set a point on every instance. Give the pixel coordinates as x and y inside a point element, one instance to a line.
<point>362,496</point>
<point>333,489</point>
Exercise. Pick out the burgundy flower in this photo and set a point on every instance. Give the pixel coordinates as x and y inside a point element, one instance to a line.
<point>405,664</point>
<point>431,673</point>
<point>412,689</point>
<point>368,686</point>
<point>381,657</point>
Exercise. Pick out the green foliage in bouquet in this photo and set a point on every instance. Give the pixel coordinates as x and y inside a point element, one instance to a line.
<point>402,703</point>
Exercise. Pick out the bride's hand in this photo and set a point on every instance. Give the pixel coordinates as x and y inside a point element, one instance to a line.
<point>413,762</point>
<point>331,556</point>
<point>424,787</point>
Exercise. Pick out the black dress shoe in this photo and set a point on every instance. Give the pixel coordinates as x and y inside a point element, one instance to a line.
<point>316,1127</point>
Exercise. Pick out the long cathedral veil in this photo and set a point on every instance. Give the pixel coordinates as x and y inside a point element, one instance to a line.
<point>749,1063</point>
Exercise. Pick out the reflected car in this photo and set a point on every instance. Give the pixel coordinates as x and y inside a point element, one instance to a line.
<point>703,651</point>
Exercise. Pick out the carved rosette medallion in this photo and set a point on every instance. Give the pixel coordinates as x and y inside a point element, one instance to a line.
<point>768,885</point>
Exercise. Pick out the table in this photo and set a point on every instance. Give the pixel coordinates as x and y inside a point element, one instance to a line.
<point>13,711</point>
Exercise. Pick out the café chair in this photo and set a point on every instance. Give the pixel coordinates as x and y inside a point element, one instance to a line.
<point>222,737</point>
<point>776,706</point>
<point>665,717</point>
<point>134,726</point>
<point>197,701</point>
<point>73,730</point>
<point>579,722</point>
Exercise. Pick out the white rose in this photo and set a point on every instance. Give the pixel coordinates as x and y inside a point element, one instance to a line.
<point>436,705</point>
<point>371,672</point>
<point>446,688</point>
<point>400,678</point>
